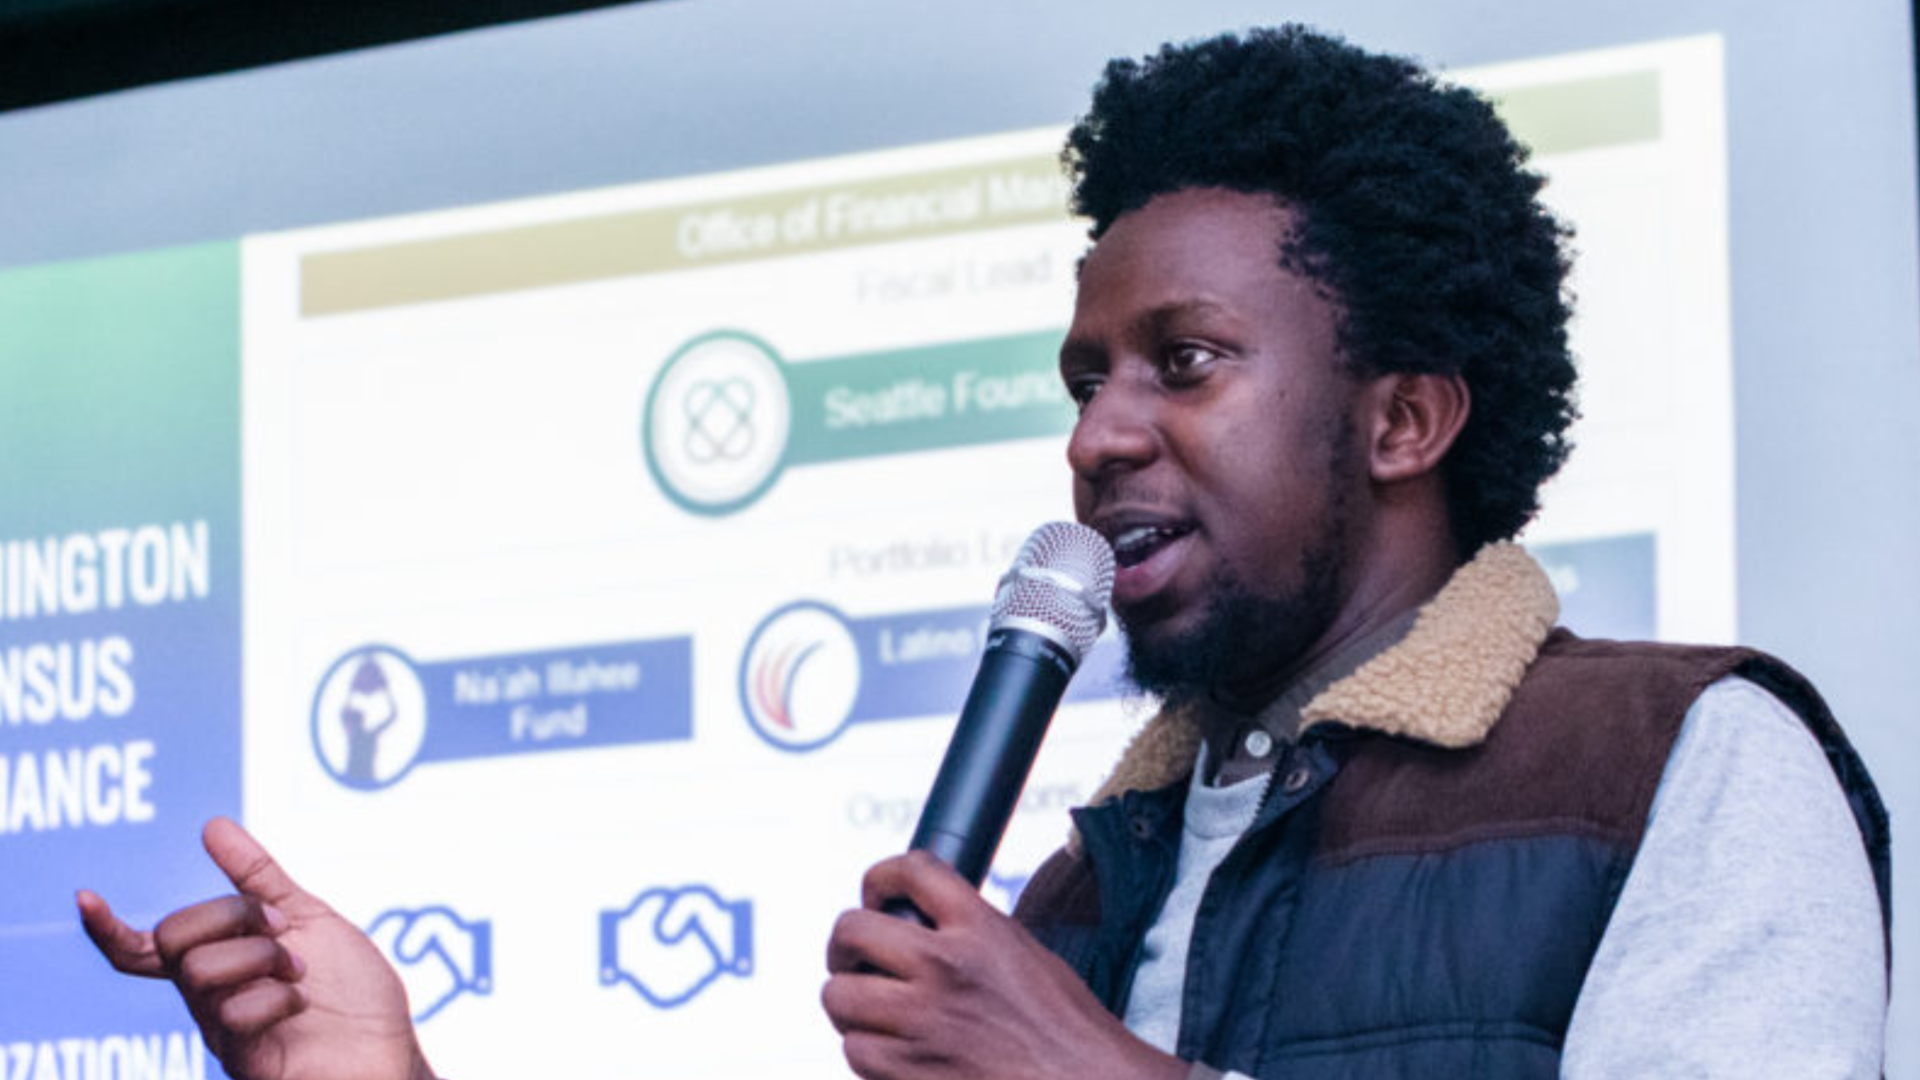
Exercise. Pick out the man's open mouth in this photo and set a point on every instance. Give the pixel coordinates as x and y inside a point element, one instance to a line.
<point>1136,544</point>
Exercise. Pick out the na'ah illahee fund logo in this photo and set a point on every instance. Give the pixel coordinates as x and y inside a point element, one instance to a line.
<point>378,713</point>
<point>370,718</point>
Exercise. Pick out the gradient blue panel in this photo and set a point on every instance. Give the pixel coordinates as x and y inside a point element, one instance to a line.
<point>119,408</point>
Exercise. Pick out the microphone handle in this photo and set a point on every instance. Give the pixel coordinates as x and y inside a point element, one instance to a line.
<point>1021,679</point>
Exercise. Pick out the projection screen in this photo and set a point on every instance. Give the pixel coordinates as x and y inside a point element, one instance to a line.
<point>548,481</point>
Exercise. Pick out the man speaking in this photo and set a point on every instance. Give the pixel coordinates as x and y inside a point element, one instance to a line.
<point>1390,821</point>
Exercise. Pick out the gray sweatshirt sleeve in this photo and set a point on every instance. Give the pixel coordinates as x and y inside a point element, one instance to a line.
<point>1747,940</point>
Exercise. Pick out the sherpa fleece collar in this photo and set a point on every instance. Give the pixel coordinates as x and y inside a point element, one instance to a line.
<point>1445,683</point>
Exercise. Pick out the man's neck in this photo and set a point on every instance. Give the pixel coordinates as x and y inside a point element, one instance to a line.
<point>1244,743</point>
<point>1403,553</point>
<point>1377,601</point>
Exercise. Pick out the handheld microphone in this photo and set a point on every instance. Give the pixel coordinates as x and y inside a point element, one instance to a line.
<point>1047,612</point>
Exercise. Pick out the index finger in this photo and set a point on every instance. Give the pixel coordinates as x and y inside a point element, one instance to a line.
<point>219,919</point>
<point>934,887</point>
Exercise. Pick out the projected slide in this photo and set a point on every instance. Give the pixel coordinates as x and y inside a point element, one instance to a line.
<point>578,592</point>
<point>623,559</point>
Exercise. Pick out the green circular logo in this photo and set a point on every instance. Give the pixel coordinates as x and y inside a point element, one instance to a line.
<point>717,422</point>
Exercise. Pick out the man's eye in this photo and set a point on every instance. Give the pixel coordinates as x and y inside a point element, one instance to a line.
<point>1189,360</point>
<point>1082,388</point>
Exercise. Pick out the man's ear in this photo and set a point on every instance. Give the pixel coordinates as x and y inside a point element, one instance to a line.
<point>1414,419</point>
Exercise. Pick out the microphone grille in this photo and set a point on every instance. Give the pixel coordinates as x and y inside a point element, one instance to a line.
<point>1060,582</point>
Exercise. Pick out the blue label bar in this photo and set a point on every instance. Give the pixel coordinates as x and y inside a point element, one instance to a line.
<point>558,699</point>
<point>917,664</point>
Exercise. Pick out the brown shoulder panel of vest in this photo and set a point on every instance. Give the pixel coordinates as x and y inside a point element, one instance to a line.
<point>1579,751</point>
<point>1063,891</point>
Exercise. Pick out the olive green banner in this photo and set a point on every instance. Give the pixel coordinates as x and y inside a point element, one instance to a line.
<point>1016,191</point>
<point>1550,118</point>
<point>1583,114</point>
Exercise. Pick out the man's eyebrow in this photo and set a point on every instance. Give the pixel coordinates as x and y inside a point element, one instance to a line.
<point>1154,322</point>
<point>1158,318</point>
<point>1076,353</point>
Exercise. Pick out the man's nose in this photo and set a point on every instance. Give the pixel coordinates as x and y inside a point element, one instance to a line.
<point>1117,429</point>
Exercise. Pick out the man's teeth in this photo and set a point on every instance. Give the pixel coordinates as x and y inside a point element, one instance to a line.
<point>1133,545</point>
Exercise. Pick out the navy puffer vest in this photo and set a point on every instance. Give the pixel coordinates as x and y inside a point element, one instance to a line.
<point>1404,907</point>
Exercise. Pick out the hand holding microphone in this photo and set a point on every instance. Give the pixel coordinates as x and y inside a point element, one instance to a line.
<point>969,992</point>
<point>1049,609</point>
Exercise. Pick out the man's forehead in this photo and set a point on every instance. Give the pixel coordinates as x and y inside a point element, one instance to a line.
<point>1188,257</point>
<point>1198,225</point>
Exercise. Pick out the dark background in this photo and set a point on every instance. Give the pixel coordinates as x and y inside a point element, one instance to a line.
<point>53,50</point>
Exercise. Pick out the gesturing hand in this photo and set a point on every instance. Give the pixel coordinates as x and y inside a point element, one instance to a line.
<point>282,987</point>
<point>973,996</point>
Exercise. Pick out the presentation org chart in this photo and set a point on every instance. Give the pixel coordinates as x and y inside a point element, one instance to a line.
<point>615,564</point>
<point>642,554</point>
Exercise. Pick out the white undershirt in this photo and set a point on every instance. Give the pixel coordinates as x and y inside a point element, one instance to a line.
<point>1214,819</point>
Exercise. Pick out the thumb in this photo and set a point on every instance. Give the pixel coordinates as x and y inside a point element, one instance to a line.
<point>247,864</point>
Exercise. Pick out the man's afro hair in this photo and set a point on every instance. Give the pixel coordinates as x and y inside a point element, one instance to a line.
<point>1414,211</point>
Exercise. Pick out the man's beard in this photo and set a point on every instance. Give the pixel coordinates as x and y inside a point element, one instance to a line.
<point>1242,639</point>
